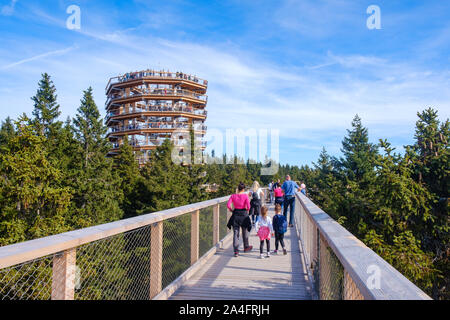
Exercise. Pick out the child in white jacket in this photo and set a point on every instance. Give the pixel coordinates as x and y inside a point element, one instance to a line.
<point>264,229</point>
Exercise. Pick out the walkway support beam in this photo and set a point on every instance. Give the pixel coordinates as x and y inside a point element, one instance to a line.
<point>216,211</point>
<point>156,257</point>
<point>195,236</point>
<point>63,275</point>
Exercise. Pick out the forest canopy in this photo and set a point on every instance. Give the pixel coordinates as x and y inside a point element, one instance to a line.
<point>55,176</point>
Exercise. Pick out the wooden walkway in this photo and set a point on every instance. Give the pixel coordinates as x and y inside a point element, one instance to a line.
<point>247,277</point>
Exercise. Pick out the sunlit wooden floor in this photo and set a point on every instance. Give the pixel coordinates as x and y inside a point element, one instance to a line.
<point>247,277</point>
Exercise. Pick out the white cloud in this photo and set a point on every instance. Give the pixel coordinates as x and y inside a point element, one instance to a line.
<point>313,105</point>
<point>8,9</point>
<point>316,18</point>
<point>37,57</point>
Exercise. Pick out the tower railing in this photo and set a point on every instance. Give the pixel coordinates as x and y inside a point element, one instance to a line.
<point>340,266</point>
<point>158,92</point>
<point>151,74</point>
<point>162,108</point>
<point>156,125</point>
<point>133,258</point>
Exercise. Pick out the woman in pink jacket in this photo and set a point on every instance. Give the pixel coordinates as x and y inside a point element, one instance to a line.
<point>239,204</point>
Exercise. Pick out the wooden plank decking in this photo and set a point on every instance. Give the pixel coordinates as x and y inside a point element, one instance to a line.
<point>247,277</point>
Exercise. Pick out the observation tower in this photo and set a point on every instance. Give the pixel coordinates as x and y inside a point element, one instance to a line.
<point>149,106</point>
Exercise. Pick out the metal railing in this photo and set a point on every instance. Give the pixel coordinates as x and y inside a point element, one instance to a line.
<point>136,258</point>
<point>150,143</point>
<point>156,125</point>
<point>157,92</point>
<point>152,74</point>
<point>148,126</point>
<point>159,141</point>
<point>163,108</point>
<point>342,267</point>
<point>133,258</point>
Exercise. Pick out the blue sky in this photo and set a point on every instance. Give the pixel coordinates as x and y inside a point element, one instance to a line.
<point>302,67</point>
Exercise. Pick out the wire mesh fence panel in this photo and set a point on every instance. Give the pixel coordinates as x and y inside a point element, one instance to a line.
<point>331,273</point>
<point>313,235</point>
<point>31,280</point>
<point>206,230</point>
<point>351,291</point>
<point>308,237</point>
<point>301,225</point>
<point>223,220</point>
<point>115,268</point>
<point>176,254</point>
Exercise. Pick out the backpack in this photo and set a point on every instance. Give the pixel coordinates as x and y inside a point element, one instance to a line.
<point>255,196</point>
<point>281,223</point>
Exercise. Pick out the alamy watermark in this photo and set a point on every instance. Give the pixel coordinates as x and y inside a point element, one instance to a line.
<point>374,20</point>
<point>374,279</point>
<point>256,145</point>
<point>73,22</point>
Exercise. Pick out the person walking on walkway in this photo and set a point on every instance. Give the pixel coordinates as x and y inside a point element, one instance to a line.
<point>288,188</point>
<point>303,188</point>
<point>256,195</point>
<point>271,187</point>
<point>239,204</point>
<point>278,193</point>
<point>280,227</point>
<point>264,229</point>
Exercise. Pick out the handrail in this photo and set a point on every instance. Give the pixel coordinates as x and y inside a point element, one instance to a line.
<point>28,250</point>
<point>159,92</point>
<point>164,126</point>
<point>318,230</point>
<point>158,142</point>
<point>151,74</point>
<point>138,110</point>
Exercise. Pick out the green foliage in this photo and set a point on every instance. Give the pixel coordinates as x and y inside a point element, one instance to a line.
<point>234,172</point>
<point>56,177</point>
<point>397,204</point>
<point>33,203</point>
<point>196,172</point>
<point>46,109</point>
<point>429,159</point>
<point>7,132</point>
<point>126,167</point>
<point>164,185</point>
<point>96,186</point>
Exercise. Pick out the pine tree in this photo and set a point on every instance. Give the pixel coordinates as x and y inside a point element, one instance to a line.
<point>234,173</point>
<point>196,171</point>
<point>429,160</point>
<point>66,149</point>
<point>164,183</point>
<point>97,187</point>
<point>430,153</point>
<point>89,128</point>
<point>389,200</point>
<point>356,170</point>
<point>7,133</point>
<point>126,167</point>
<point>46,109</point>
<point>359,154</point>
<point>402,210</point>
<point>33,203</point>
<point>325,188</point>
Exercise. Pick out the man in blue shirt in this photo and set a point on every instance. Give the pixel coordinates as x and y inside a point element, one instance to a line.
<point>288,188</point>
